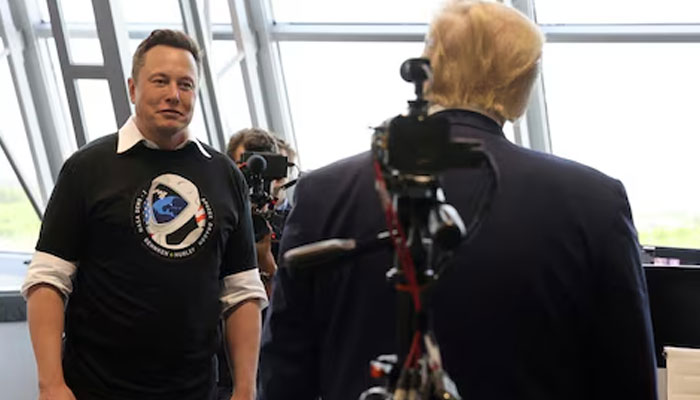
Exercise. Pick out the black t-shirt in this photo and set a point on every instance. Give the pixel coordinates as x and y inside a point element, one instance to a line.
<point>153,232</point>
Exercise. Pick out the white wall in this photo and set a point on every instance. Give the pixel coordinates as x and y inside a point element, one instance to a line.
<point>17,368</point>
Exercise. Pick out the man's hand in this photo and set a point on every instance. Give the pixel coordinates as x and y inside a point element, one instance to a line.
<point>241,396</point>
<point>56,392</point>
<point>266,261</point>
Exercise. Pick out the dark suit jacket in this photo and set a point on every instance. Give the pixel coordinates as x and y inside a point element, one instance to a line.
<point>547,301</point>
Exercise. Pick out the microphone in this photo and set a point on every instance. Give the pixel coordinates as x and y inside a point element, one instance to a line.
<point>318,252</point>
<point>256,164</point>
<point>324,251</point>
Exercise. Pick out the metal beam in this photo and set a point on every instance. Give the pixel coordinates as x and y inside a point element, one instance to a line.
<point>84,71</point>
<point>248,48</point>
<point>134,30</point>
<point>270,69</point>
<point>555,33</point>
<point>20,179</point>
<point>114,43</point>
<point>622,33</point>
<point>536,121</point>
<point>63,50</point>
<point>349,32</point>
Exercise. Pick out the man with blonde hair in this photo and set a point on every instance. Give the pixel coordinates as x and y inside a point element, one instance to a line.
<point>547,301</point>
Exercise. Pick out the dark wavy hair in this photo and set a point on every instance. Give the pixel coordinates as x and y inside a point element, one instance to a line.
<point>167,37</point>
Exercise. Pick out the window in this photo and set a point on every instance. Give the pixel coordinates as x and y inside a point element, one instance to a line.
<point>19,223</point>
<point>81,31</point>
<point>623,109</point>
<point>617,11</point>
<point>13,132</point>
<point>233,104</point>
<point>364,11</point>
<point>336,99</point>
<point>96,105</point>
<point>153,13</point>
<point>219,12</point>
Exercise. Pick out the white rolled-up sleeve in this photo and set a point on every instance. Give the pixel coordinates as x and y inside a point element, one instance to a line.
<point>242,286</point>
<point>48,269</point>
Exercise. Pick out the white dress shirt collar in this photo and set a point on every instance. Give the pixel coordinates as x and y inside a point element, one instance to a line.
<point>130,135</point>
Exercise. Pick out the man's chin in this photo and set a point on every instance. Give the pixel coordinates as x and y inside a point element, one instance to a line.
<point>168,132</point>
<point>171,127</point>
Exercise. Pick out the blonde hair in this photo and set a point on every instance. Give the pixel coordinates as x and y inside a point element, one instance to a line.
<point>484,56</point>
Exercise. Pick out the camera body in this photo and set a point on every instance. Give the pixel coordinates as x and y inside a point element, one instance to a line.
<point>275,166</point>
<point>259,170</point>
<point>421,145</point>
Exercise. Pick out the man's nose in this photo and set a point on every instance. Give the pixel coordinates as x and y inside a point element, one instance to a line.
<point>173,93</point>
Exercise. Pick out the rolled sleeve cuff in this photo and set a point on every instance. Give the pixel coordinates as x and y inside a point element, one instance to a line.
<point>48,269</point>
<point>242,286</point>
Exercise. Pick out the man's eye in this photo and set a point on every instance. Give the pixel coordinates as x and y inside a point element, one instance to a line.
<point>159,81</point>
<point>186,86</point>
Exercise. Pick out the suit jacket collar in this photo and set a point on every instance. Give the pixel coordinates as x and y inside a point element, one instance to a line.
<point>471,119</point>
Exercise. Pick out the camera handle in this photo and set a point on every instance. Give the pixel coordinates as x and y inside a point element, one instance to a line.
<point>417,71</point>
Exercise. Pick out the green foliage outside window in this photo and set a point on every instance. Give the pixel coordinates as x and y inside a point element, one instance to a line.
<point>685,235</point>
<point>19,224</point>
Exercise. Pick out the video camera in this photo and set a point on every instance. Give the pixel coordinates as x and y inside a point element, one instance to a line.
<point>260,169</point>
<point>411,152</point>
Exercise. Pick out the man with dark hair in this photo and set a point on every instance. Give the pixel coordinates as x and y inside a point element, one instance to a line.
<point>251,139</point>
<point>547,301</point>
<point>258,140</point>
<point>148,237</point>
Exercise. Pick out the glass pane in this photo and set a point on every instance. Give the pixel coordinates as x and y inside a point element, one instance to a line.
<point>233,103</point>
<point>83,44</point>
<point>337,98</point>
<point>372,11</point>
<point>54,75</point>
<point>86,51</point>
<point>618,11</point>
<point>44,11</point>
<point>152,12</point>
<point>197,126</point>
<point>19,223</point>
<point>96,103</point>
<point>219,12</point>
<point>77,11</point>
<point>509,131</point>
<point>13,132</point>
<point>617,109</point>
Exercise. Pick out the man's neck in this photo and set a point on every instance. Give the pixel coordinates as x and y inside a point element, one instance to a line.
<point>164,141</point>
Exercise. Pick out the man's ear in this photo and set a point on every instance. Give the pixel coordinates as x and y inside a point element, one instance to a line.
<point>132,90</point>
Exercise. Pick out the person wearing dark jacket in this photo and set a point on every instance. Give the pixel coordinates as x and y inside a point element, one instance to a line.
<point>546,302</point>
